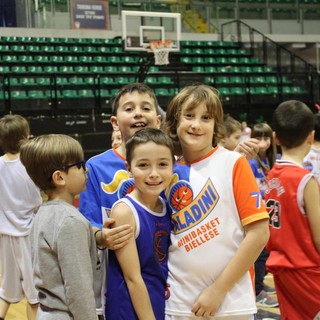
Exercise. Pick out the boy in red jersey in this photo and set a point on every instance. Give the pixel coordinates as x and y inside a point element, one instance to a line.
<point>293,202</point>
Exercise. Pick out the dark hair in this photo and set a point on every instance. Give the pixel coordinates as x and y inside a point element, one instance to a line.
<point>146,135</point>
<point>45,154</point>
<point>317,127</point>
<point>261,130</point>
<point>292,122</point>
<point>192,96</point>
<point>132,87</point>
<point>14,131</point>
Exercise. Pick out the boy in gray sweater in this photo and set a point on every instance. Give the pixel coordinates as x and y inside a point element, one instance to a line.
<point>63,245</point>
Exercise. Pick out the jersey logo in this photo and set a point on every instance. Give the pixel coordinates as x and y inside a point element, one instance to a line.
<point>161,245</point>
<point>197,209</point>
<point>119,181</point>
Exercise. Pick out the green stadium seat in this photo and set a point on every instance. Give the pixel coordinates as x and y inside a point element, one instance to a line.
<point>81,69</point>
<point>258,90</point>
<point>153,69</point>
<point>106,80</point>
<point>9,58</point>
<point>86,93</point>
<point>27,81</point>
<point>69,94</point>
<point>17,48</point>
<point>35,69</point>
<point>4,69</point>
<point>36,94</point>
<point>61,81</point>
<point>124,69</point>
<point>66,69</point>
<point>114,59</point>
<point>209,80</point>
<point>48,49</point>
<point>224,91</point>
<point>62,49</point>
<point>165,80</point>
<point>198,69</point>
<point>187,60</point>
<point>273,90</point>
<point>151,80</point>
<point>128,59</point>
<point>50,69</point>
<point>210,69</point>
<point>271,79</point>
<point>257,79</point>
<point>56,59</point>
<point>41,58</point>
<point>19,94</point>
<point>237,80</point>
<point>76,80</point>
<point>238,90</point>
<point>18,69</point>
<point>223,79</point>
<point>26,59</point>
<point>123,80</point>
<point>104,49</point>
<point>71,59</point>
<point>90,49</point>
<point>4,48</point>
<point>89,80</point>
<point>110,69</point>
<point>85,59</point>
<point>104,93</point>
<point>43,81</point>
<point>96,69</point>
<point>13,81</point>
<point>33,48</point>
<point>100,59</point>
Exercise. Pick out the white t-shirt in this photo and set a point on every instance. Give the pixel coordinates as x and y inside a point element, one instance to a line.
<point>19,198</point>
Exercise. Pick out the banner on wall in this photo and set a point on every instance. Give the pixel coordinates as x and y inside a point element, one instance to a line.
<point>89,14</point>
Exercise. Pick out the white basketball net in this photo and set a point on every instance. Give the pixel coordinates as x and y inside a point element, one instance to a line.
<point>161,51</point>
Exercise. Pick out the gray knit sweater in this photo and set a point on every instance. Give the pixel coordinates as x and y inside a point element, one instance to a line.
<point>65,260</point>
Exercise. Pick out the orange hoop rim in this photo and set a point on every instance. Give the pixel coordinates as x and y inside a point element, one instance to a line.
<point>158,44</point>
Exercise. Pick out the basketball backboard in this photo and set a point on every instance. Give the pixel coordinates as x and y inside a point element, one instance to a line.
<point>139,28</point>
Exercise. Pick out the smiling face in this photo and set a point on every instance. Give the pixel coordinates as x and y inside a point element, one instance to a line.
<point>151,167</point>
<point>195,132</point>
<point>135,112</point>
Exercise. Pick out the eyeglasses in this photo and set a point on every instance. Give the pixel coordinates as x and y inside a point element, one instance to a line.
<point>80,164</point>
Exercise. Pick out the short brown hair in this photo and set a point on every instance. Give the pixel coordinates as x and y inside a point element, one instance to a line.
<point>146,135</point>
<point>193,96</point>
<point>47,153</point>
<point>130,88</point>
<point>14,131</point>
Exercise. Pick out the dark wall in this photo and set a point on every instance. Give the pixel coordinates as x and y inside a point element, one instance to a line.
<point>8,13</point>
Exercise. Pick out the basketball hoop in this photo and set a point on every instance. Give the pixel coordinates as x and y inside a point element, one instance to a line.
<point>161,51</point>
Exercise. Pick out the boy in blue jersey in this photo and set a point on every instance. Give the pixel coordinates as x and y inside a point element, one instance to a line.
<point>137,272</point>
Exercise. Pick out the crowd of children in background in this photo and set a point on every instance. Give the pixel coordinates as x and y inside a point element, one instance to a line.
<point>163,204</point>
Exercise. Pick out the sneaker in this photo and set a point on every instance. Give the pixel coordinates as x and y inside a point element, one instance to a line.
<point>266,301</point>
<point>269,290</point>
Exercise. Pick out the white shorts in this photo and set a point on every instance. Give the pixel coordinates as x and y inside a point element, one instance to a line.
<point>16,270</point>
<point>242,317</point>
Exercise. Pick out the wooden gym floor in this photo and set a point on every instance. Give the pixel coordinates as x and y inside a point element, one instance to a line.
<point>18,311</point>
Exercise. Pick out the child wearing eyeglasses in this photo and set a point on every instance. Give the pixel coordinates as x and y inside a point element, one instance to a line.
<point>19,201</point>
<point>63,246</point>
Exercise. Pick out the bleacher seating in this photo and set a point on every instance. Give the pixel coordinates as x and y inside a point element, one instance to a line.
<point>45,75</point>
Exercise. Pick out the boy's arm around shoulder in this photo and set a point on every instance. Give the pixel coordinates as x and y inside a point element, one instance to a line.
<point>257,235</point>
<point>311,197</point>
<point>128,259</point>
<point>74,245</point>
